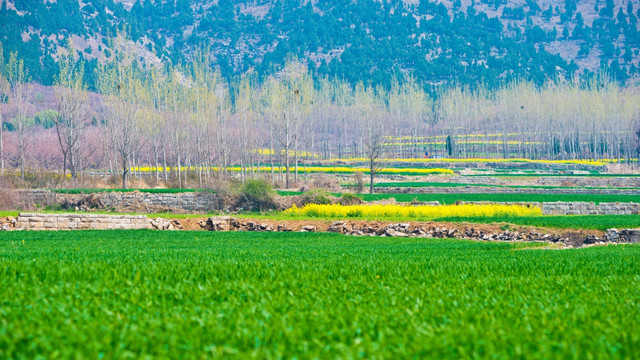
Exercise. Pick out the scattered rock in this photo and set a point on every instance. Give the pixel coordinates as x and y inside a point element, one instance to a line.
<point>337,226</point>
<point>163,224</point>
<point>308,228</point>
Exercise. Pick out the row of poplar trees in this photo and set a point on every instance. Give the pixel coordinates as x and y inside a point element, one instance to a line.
<point>175,123</point>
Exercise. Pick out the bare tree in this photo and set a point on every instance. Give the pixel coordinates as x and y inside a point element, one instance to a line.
<point>18,77</point>
<point>5,89</point>
<point>374,134</point>
<point>122,88</point>
<point>70,119</point>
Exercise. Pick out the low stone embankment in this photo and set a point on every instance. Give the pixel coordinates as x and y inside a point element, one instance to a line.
<point>36,221</point>
<point>484,232</point>
<point>427,230</point>
<point>585,208</point>
<point>621,181</point>
<point>189,201</point>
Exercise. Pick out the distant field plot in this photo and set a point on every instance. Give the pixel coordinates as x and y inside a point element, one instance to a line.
<point>417,184</point>
<point>495,160</point>
<point>450,198</point>
<point>524,197</point>
<point>500,174</point>
<point>302,169</point>
<point>117,294</point>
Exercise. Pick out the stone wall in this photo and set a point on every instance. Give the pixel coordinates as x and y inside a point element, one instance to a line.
<point>585,208</point>
<point>590,181</point>
<point>37,197</point>
<point>190,201</point>
<point>623,236</point>
<point>576,208</point>
<point>36,221</point>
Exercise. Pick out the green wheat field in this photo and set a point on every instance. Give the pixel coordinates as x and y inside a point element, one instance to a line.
<point>146,294</point>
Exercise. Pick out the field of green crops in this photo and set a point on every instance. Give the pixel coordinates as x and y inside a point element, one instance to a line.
<point>137,294</point>
<point>451,198</point>
<point>418,184</point>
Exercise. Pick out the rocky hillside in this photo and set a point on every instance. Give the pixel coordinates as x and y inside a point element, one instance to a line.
<point>459,41</point>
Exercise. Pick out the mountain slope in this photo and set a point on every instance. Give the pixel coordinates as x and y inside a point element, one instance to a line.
<point>465,42</point>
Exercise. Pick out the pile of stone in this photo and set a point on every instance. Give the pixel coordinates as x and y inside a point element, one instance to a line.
<point>226,223</point>
<point>623,236</point>
<point>8,223</point>
<point>164,224</point>
<point>572,239</point>
<point>424,230</point>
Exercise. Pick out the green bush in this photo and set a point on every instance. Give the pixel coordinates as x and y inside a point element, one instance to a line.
<point>316,196</point>
<point>257,195</point>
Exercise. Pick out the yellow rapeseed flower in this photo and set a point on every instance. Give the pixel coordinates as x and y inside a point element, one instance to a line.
<point>423,212</point>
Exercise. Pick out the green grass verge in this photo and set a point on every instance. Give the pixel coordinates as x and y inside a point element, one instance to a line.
<point>409,184</point>
<point>520,197</point>
<point>145,294</point>
<point>533,175</point>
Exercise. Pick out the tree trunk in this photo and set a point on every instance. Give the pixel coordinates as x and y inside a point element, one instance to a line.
<point>125,170</point>
<point>371,174</point>
<point>1,145</point>
<point>286,162</point>
<point>21,148</point>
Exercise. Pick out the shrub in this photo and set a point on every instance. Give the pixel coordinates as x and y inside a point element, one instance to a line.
<point>349,199</point>
<point>359,180</point>
<point>328,183</point>
<point>258,195</point>
<point>316,196</point>
<point>8,200</point>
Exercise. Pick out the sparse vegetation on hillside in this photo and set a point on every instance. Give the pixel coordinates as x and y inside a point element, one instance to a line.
<point>492,42</point>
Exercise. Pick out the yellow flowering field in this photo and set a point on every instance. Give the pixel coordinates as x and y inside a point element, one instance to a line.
<point>481,160</point>
<point>309,169</point>
<point>423,212</point>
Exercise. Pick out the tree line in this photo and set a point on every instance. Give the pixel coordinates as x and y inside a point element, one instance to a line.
<point>189,119</point>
